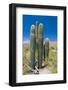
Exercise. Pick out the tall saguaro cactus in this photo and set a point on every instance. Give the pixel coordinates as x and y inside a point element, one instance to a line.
<point>36,50</point>
<point>40,44</point>
<point>32,46</point>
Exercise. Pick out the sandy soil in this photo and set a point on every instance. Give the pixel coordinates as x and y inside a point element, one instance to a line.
<point>44,71</point>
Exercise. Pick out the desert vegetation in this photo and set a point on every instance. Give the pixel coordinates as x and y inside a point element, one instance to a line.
<point>50,62</point>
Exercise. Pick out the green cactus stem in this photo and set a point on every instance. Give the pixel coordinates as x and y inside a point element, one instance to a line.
<point>40,45</point>
<point>32,46</point>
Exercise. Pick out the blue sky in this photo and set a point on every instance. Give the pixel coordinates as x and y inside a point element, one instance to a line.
<point>49,22</point>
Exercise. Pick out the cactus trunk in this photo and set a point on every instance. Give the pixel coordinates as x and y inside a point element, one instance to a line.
<point>46,48</point>
<point>40,52</point>
<point>32,47</point>
<point>36,35</point>
<point>40,45</point>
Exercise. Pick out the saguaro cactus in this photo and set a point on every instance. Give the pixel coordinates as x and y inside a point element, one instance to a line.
<point>32,46</point>
<point>46,48</point>
<point>36,50</point>
<point>40,45</point>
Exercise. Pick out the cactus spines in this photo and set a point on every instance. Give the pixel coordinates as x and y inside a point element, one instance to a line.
<point>40,45</point>
<point>32,46</point>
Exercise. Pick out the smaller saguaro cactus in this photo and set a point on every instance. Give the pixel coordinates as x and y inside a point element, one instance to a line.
<point>32,46</point>
<point>46,52</point>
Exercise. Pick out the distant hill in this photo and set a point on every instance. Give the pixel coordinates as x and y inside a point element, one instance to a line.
<point>52,44</point>
<point>26,43</point>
